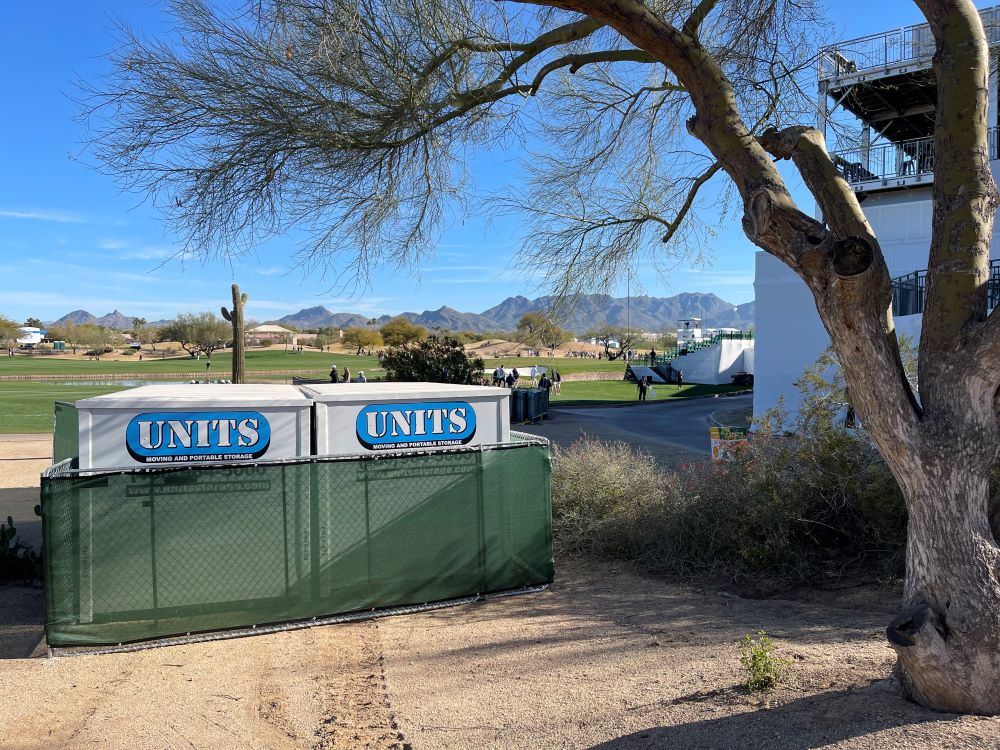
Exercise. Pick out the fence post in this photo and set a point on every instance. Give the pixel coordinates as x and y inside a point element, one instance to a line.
<point>481,506</point>
<point>314,563</point>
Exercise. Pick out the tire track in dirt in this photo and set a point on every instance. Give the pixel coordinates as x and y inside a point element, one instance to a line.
<point>361,716</point>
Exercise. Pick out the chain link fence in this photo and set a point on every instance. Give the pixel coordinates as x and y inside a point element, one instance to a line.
<point>138,554</point>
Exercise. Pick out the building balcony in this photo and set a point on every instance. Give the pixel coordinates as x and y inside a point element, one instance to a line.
<point>887,80</point>
<point>910,291</point>
<point>889,166</point>
<point>890,52</point>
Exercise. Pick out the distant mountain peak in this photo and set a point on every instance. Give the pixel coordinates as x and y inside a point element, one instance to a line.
<point>641,313</point>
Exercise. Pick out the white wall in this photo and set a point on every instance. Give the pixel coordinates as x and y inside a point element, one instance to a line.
<point>788,333</point>
<point>788,330</point>
<point>716,364</point>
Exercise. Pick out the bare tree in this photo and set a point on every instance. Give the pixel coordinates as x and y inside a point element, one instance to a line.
<point>353,120</point>
<point>606,334</point>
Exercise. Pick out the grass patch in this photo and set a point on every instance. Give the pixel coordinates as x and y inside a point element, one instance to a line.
<point>605,392</point>
<point>317,363</point>
<point>29,407</point>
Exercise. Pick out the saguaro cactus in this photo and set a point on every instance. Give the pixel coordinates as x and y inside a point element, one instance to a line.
<point>236,318</point>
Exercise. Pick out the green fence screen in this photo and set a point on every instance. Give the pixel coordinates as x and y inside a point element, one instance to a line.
<point>66,435</point>
<point>133,555</point>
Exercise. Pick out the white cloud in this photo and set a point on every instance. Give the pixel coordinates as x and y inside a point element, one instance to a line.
<point>722,278</point>
<point>435,269</point>
<point>272,271</point>
<point>151,252</point>
<point>60,217</point>
<point>112,244</point>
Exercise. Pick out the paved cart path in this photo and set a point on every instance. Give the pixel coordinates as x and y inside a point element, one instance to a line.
<point>673,431</point>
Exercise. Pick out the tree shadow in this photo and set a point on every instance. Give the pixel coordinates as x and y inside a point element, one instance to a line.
<point>22,621</point>
<point>813,721</point>
<point>22,608</point>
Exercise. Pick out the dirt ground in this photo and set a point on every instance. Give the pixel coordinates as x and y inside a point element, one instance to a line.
<point>605,659</point>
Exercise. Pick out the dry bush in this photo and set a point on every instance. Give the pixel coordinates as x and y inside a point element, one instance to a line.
<point>785,507</point>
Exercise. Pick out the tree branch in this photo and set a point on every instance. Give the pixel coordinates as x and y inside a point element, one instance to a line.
<point>575,62</point>
<point>964,195</point>
<point>697,17</point>
<point>689,201</point>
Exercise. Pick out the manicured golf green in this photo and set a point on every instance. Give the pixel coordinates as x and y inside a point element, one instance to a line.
<point>267,360</point>
<point>29,407</point>
<point>610,392</point>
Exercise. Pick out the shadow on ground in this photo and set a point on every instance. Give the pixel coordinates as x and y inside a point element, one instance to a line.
<point>22,621</point>
<point>813,721</point>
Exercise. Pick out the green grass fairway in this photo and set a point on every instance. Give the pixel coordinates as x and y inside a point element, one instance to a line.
<point>565,365</point>
<point>314,362</point>
<point>610,392</point>
<point>29,407</point>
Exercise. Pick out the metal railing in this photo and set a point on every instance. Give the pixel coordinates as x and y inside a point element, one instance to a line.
<point>664,358</point>
<point>910,291</point>
<point>895,47</point>
<point>910,158</point>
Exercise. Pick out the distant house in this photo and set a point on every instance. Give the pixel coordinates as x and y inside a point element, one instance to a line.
<point>270,332</point>
<point>29,337</point>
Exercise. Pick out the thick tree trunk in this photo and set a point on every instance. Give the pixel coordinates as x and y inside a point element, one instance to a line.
<point>941,447</point>
<point>948,635</point>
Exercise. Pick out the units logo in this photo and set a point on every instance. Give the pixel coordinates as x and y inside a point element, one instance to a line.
<point>188,436</point>
<point>423,425</point>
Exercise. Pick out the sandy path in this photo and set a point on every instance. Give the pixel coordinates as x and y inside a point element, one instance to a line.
<point>605,660</point>
<point>321,688</point>
<point>611,660</point>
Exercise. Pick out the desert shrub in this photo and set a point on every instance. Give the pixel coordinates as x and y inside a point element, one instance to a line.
<point>266,342</point>
<point>818,500</point>
<point>601,492</point>
<point>763,669</point>
<point>784,506</point>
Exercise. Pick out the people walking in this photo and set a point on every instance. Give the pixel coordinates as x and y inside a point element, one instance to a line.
<point>361,377</point>
<point>652,357</point>
<point>556,382</point>
<point>347,374</point>
<point>680,378</point>
<point>643,387</point>
<point>333,373</point>
<point>545,383</point>
<point>208,366</point>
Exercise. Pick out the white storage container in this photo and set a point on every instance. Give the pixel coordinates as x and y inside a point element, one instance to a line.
<point>193,423</point>
<point>355,418</point>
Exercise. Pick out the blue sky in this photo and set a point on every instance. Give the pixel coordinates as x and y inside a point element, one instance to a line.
<point>70,240</point>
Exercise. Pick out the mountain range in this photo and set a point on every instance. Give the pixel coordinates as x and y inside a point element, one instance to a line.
<point>642,313</point>
<point>646,313</point>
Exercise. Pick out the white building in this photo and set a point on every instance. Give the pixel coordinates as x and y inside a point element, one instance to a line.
<point>688,332</point>
<point>884,86</point>
<point>29,336</point>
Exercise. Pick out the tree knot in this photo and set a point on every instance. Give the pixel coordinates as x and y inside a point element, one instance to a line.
<point>852,256</point>
<point>757,213</point>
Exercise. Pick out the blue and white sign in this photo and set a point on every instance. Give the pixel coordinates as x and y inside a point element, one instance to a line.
<point>190,436</point>
<point>429,424</point>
